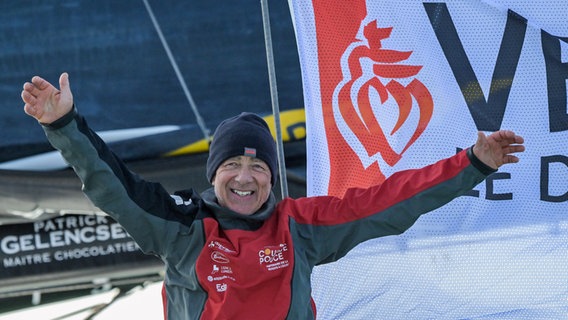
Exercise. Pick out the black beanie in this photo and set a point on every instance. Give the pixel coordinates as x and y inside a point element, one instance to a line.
<point>244,135</point>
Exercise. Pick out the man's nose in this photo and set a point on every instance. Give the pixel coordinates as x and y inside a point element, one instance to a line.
<point>244,175</point>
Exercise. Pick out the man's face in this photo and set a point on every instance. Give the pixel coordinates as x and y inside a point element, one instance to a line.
<point>242,184</point>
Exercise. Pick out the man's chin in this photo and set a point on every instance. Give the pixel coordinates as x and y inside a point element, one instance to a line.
<point>244,210</point>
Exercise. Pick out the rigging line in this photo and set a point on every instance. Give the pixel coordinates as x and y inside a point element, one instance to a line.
<point>274,97</point>
<point>200,122</point>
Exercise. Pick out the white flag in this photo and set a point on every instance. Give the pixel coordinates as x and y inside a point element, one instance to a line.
<point>391,85</point>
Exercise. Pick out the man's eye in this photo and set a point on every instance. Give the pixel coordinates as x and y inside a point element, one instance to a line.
<point>259,167</point>
<point>231,165</point>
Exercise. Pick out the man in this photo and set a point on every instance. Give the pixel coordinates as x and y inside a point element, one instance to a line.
<point>233,252</point>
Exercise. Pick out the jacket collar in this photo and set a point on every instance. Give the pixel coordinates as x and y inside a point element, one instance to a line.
<point>230,219</point>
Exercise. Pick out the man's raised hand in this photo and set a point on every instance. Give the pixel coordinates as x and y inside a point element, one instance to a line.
<point>46,103</point>
<point>498,148</point>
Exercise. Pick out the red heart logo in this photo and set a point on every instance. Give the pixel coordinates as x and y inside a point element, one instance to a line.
<point>359,115</point>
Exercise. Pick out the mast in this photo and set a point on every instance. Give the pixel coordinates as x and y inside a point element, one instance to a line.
<point>274,97</point>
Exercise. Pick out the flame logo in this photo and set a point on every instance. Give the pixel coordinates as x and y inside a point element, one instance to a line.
<point>372,84</point>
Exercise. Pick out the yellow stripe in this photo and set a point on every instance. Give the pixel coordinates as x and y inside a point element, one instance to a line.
<point>292,123</point>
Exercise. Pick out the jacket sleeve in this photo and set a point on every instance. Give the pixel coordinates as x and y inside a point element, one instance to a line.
<point>144,209</point>
<point>328,227</point>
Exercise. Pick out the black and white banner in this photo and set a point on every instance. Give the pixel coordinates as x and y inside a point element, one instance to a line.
<point>73,244</point>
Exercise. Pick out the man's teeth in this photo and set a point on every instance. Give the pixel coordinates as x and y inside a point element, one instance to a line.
<point>242,193</point>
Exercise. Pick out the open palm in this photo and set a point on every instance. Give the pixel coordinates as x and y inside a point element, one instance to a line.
<point>46,103</point>
<point>498,148</point>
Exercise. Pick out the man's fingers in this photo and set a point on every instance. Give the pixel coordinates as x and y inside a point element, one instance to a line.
<point>511,138</point>
<point>514,140</point>
<point>32,89</point>
<point>64,83</point>
<point>506,137</point>
<point>30,110</point>
<point>481,139</point>
<point>28,97</point>
<point>514,149</point>
<point>40,83</point>
<point>64,80</point>
<point>510,159</point>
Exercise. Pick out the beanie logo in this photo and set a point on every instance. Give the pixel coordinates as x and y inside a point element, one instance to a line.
<point>251,152</point>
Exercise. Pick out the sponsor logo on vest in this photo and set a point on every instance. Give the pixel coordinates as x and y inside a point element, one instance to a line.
<point>219,257</point>
<point>274,257</point>
<point>217,245</point>
<point>221,269</point>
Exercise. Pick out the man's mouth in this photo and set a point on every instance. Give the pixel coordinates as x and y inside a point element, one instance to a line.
<point>241,193</point>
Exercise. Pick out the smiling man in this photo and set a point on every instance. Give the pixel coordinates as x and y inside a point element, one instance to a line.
<point>242,163</point>
<point>233,251</point>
